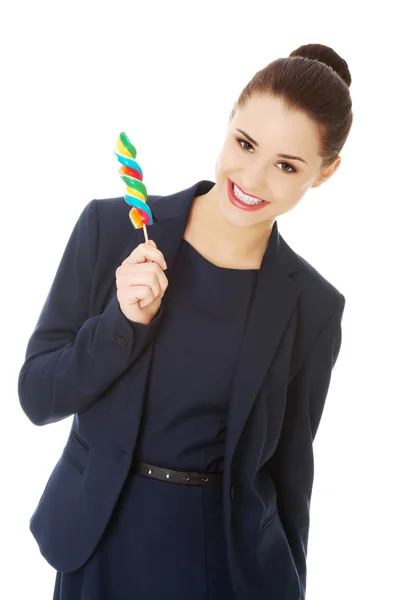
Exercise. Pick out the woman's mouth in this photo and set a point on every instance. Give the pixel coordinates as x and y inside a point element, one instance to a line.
<point>243,201</point>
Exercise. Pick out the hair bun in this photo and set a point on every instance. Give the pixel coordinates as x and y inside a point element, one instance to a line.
<point>326,55</point>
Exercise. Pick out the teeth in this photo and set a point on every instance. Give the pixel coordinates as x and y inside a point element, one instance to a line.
<point>244,198</point>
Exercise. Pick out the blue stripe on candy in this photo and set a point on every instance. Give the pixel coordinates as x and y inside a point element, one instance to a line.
<point>128,162</point>
<point>137,203</point>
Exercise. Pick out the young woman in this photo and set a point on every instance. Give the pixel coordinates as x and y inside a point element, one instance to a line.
<point>196,384</point>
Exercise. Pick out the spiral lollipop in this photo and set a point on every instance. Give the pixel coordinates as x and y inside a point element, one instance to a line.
<point>136,193</point>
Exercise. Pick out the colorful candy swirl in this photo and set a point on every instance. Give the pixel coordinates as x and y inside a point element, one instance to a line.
<point>131,173</point>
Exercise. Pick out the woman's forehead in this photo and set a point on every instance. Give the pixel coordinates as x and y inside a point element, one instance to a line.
<point>272,125</point>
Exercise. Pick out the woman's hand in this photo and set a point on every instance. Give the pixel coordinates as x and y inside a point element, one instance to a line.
<point>141,283</point>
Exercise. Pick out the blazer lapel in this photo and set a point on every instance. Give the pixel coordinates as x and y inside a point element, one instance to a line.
<point>274,299</point>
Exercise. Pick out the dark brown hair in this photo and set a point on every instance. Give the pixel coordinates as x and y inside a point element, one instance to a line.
<point>315,80</point>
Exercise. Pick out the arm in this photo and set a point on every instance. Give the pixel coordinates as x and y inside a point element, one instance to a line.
<point>292,464</point>
<point>72,359</point>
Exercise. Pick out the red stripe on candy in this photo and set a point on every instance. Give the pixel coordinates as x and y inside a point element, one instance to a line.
<point>144,215</point>
<point>124,170</point>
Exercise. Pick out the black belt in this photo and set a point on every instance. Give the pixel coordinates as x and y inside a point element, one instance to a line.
<point>191,478</point>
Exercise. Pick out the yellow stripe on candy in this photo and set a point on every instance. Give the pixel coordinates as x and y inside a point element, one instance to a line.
<point>122,150</point>
<point>135,193</point>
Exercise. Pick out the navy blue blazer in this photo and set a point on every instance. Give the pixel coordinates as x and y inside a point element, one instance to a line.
<point>82,348</point>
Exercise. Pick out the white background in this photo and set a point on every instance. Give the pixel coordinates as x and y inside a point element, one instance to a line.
<point>73,76</point>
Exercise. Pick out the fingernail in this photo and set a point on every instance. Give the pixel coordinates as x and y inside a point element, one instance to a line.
<point>164,264</point>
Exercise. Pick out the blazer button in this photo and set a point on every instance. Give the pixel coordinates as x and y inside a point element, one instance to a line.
<point>122,342</point>
<point>231,492</point>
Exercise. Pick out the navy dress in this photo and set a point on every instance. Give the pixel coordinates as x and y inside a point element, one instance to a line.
<point>165,541</point>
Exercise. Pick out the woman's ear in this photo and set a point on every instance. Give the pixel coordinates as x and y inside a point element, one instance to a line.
<point>327,173</point>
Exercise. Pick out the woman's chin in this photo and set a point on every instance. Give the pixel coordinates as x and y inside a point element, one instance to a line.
<point>232,216</point>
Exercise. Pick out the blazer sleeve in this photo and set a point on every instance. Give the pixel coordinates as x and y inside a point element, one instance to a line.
<point>292,465</point>
<point>71,358</point>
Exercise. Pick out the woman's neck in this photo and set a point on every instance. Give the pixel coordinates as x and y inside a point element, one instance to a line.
<point>223,241</point>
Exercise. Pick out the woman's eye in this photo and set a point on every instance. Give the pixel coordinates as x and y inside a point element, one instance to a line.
<point>292,169</point>
<point>244,142</point>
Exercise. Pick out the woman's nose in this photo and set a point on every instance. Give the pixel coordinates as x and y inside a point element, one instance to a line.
<point>254,184</point>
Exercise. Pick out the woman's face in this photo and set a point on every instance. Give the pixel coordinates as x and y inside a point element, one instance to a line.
<point>256,167</point>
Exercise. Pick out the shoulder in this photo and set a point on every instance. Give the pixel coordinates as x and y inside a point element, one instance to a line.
<point>321,300</point>
<point>314,280</point>
<point>113,214</point>
<point>105,228</point>
<point>114,226</point>
<point>318,292</point>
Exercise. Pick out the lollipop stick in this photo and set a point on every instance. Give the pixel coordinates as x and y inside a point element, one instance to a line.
<point>145,233</point>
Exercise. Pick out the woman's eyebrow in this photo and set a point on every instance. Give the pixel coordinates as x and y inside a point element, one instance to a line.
<point>246,135</point>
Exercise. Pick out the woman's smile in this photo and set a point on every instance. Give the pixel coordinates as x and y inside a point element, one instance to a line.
<point>244,203</point>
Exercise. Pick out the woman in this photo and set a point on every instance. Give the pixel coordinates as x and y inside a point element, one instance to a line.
<point>196,385</point>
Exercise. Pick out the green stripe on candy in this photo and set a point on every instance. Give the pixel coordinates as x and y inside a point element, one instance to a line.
<point>135,184</point>
<point>127,144</point>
